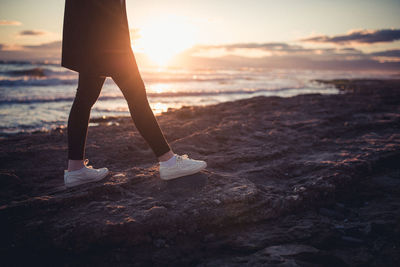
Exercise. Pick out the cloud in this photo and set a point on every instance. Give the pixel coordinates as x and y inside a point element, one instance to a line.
<point>10,47</point>
<point>386,56</point>
<point>33,32</point>
<point>387,53</point>
<point>263,46</point>
<point>10,23</point>
<point>47,51</point>
<point>358,36</point>
<point>288,56</point>
<point>266,49</point>
<point>56,45</point>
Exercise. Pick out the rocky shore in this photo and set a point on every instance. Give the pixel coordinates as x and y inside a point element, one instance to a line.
<point>311,180</point>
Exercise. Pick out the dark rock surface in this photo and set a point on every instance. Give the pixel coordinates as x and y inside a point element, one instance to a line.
<point>311,180</point>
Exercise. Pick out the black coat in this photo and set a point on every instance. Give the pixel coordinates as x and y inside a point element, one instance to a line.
<point>96,37</point>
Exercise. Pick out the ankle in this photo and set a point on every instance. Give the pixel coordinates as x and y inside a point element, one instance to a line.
<point>168,163</point>
<point>74,165</point>
<point>166,156</point>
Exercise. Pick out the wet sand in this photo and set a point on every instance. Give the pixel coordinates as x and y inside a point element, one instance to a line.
<point>311,180</point>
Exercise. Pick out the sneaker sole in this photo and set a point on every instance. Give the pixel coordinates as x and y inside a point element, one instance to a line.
<point>69,185</point>
<point>171,177</point>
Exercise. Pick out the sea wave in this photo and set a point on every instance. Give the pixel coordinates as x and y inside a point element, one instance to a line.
<point>49,76</point>
<point>149,94</point>
<point>37,77</point>
<point>24,62</point>
<point>38,82</point>
<point>34,72</point>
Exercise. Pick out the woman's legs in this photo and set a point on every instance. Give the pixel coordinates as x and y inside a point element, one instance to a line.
<point>89,88</point>
<point>134,91</point>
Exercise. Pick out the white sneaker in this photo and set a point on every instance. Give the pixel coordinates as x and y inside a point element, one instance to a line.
<point>183,166</point>
<point>85,175</point>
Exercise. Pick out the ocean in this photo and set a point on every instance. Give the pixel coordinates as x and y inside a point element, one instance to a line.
<point>38,96</point>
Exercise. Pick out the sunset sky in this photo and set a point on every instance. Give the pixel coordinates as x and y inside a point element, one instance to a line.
<point>354,34</point>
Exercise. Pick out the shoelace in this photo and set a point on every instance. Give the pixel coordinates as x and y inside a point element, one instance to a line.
<point>85,162</point>
<point>179,158</point>
<point>184,156</point>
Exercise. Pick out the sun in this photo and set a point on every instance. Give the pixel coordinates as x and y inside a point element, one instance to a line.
<point>164,37</point>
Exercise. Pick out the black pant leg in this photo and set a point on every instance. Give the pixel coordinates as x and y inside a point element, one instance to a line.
<point>87,93</point>
<point>134,91</point>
